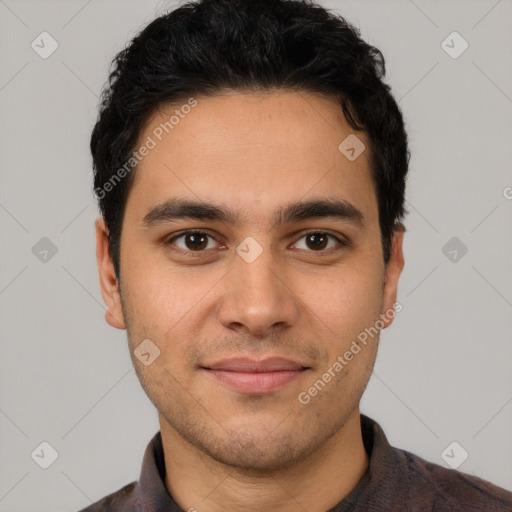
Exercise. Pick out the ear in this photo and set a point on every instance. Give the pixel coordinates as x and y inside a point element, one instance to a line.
<point>108,280</point>
<point>392,274</point>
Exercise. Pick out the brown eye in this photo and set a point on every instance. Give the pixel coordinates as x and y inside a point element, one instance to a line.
<point>318,241</point>
<point>194,241</point>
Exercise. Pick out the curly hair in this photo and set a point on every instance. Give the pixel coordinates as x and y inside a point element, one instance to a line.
<point>210,46</point>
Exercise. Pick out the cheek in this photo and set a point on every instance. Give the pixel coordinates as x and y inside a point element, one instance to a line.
<point>158,293</point>
<point>168,307</point>
<point>346,301</point>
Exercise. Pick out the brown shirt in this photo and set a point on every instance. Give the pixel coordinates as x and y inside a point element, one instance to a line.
<point>395,481</point>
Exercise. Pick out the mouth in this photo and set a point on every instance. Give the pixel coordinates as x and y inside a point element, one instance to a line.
<point>256,377</point>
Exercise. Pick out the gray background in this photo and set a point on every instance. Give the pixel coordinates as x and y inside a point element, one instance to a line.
<point>443,369</point>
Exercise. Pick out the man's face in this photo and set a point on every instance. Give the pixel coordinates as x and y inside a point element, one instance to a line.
<point>300,287</point>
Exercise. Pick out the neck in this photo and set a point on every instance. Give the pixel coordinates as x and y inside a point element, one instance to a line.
<point>316,483</point>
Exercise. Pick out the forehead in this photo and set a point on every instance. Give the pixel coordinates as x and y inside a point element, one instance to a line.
<point>254,151</point>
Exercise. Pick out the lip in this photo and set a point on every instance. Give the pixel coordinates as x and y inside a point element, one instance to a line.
<point>256,377</point>
<point>245,364</point>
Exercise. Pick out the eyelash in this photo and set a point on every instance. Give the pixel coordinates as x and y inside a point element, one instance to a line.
<point>342,243</point>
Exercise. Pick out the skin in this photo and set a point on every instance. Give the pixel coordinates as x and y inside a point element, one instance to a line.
<point>253,153</point>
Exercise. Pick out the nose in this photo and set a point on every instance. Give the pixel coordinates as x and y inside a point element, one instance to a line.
<point>257,298</point>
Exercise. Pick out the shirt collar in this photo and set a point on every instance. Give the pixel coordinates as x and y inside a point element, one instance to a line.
<point>153,496</point>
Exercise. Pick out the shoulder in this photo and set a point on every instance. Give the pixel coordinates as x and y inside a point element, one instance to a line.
<point>123,500</point>
<point>449,489</point>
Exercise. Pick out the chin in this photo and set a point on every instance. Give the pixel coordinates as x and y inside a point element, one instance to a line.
<point>256,457</point>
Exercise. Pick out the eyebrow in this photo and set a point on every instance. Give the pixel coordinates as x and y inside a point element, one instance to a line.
<point>178,208</point>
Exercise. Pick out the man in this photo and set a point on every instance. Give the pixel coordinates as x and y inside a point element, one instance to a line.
<point>250,167</point>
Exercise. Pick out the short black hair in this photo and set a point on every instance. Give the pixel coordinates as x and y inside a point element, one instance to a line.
<point>213,46</point>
